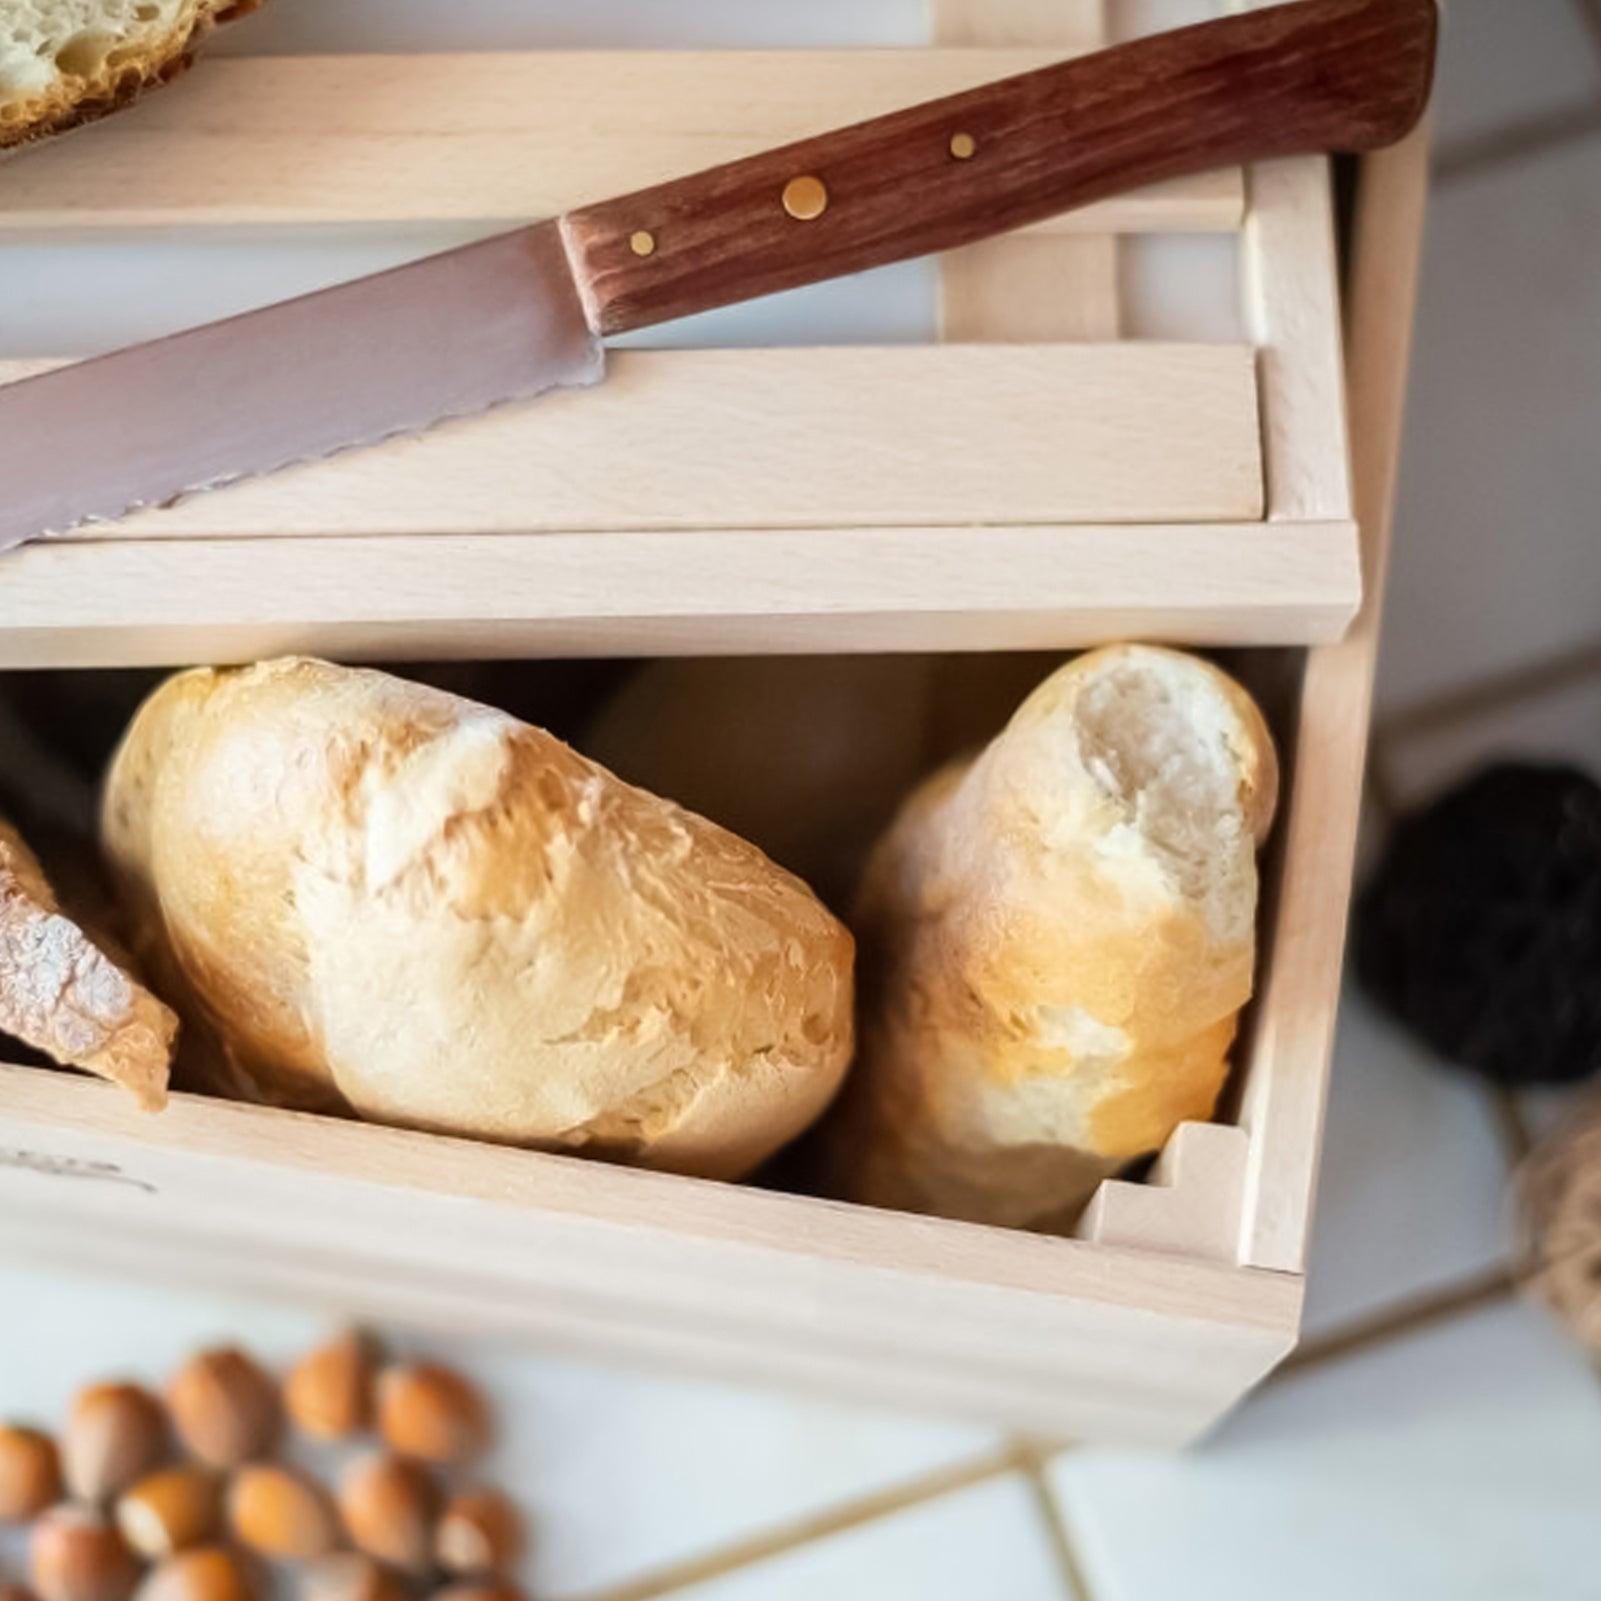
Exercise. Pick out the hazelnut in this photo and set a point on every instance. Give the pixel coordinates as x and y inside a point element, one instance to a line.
<point>202,1573</point>
<point>77,1555</point>
<point>351,1576</point>
<point>281,1513</point>
<point>168,1510</point>
<point>224,1407</point>
<point>30,1474</point>
<point>114,1434</point>
<point>479,1533</point>
<point>328,1393</point>
<point>429,1412</point>
<point>478,1590</point>
<point>388,1507</point>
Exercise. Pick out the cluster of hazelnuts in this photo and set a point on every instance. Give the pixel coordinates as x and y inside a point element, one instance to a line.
<point>185,1501</point>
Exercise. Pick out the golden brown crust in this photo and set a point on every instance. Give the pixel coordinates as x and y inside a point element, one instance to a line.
<point>64,996</point>
<point>1057,938</point>
<point>380,895</point>
<point>71,101</point>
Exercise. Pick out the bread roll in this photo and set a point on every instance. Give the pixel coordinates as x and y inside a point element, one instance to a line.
<point>807,757</point>
<point>63,62</point>
<point>63,995</point>
<point>387,899</point>
<point>1056,940</point>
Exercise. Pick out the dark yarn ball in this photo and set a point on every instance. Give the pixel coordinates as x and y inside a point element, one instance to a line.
<point>1481,928</point>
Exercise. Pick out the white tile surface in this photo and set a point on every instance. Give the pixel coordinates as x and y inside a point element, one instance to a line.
<point>1462,1464</point>
<point>981,1543</point>
<point>1496,559</point>
<point>620,1473</point>
<point>59,1332</point>
<point>1505,60</point>
<point>627,1474</point>
<point>1561,725</point>
<point>1412,1191</point>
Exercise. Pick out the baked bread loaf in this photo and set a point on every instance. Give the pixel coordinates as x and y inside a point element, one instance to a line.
<point>1056,940</point>
<point>63,62</point>
<point>807,757</point>
<point>62,994</point>
<point>383,898</point>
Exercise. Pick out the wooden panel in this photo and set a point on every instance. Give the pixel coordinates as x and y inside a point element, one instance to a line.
<point>498,139</point>
<point>1291,302</point>
<point>1052,1335</point>
<point>1072,1338</point>
<point>1326,75</point>
<point>77,603</point>
<point>1282,1106</point>
<point>1190,1203</point>
<point>1063,25</point>
<point>845,437</point>
<point>1028,289</point>
<point>1292,312</point>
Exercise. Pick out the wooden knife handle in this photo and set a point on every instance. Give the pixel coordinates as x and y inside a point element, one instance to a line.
<point>1317,75</point>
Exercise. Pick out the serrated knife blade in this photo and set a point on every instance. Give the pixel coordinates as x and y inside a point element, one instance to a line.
<point>523,313</point>
<point>388,354</point>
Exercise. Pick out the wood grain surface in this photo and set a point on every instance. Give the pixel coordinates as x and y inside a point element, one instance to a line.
<point>490,141</point>
<point>75,603</point>
<point>1028,287</point>
<point>1047,1335</point>
<point>1282,1108</point>
<point>1147,1335</point>
<point>1315,76</point>
<point>824,437</point>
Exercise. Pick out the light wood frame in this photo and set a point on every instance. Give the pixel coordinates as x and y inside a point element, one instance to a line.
<point>1102,487</point>
<point>1180,1294</point>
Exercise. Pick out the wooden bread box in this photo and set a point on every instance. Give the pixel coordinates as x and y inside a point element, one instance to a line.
<point>1033,481</point>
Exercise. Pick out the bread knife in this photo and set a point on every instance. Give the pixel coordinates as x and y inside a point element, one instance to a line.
<point>525,312</point>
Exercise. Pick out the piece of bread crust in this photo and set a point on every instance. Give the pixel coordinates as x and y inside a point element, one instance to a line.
<point>96,70</point>
<point>63,995</point>
<point>1056,941</point>
<point>386,899</point>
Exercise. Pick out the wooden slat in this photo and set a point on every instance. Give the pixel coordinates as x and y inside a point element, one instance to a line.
<point>844,437</point>
<point>1284,1094</point>
<point>78,603</point>
<point>1054,1335</point>
<point>1082,1339</point>
<point>1292,313</point>
<point>1189,1203</point>
<point>1029,289</point>
<point>497,139</point>
<point>1062,25</point>
<point>1290,290</point>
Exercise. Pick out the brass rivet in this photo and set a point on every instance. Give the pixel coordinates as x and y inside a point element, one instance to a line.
<point>963,146</point>
<point>805,198</point>
<point>642,243</point>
